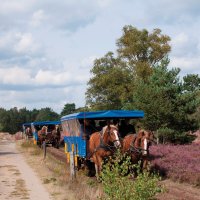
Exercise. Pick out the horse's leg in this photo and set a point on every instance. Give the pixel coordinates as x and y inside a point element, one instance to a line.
<point>42,145</point>
<point>145,164</point>
<point>97,171</point>
<point>89,167</point>
<point>57,143</point>
<point>99,166</point>
<point>96,166</point>
<point>96,161</point>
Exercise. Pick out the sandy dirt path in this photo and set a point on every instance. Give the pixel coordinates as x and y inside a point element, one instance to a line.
<point>17,179</point>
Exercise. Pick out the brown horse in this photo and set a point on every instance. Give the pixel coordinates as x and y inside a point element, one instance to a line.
<point>137,146</point>
<point>28,133</point>
<point>103,144</point>
<point>55,136</point>
<point>42,135</point>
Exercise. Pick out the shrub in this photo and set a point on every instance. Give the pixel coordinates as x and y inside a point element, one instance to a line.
<point>166,135</point>
<point>27,144</point>
<point>117,185</point>
<point>183,138</point>
<point>178,162</point>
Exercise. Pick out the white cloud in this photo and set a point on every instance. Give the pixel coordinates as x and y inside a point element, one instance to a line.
<point>6,40</point>
<point>180,39</point>
<point>25,43</point>
<point>13,6</point>
<point>15,75</point>
<point>15,44</point>
<point>104,3</point>
<point>37,18</point>
<point>86,62</point>
<point>188,65</point>
<point>52,77</point>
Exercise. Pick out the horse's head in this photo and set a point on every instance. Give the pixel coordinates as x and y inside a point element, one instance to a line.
<point>56,127</point>
<point>28,130</point>
<point>111,135</point>
<point>144,140</point>
<point>44,129</point>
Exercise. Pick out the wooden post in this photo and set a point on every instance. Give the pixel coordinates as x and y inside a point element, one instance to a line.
<point>34,140</point>
<point>72,166</point>
<point>44,149</point>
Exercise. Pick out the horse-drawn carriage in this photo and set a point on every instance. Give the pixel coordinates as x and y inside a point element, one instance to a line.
<point>27,130</point>
<point>77,130</point>
<point>48,131</point>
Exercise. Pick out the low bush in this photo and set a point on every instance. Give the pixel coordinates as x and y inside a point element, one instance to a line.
<point>167,135</point>
<point>27,144</point>
<point>117,185</point>
<point>178,162</point>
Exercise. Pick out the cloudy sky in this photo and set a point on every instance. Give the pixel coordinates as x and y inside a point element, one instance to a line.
<point>47,47</point>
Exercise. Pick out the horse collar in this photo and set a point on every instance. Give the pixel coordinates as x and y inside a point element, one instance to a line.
<point>133,148</point>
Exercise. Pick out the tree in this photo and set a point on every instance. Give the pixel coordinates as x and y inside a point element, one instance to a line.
<point>33,114</point>
<point>82,109</point>
<point>109,85</point>
<point>164,100</point>
<point>191,82</point>
<point>141,50</point>
<point>68,109</point>
<point>114,78</point>
<point>46,114</point>
<point>3,119</point>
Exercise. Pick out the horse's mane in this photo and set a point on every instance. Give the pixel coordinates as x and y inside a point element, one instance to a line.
<point>105,127</point>
<point>44,128</point>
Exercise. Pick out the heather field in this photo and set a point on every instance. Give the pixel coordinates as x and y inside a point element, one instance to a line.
<point>177,162</point>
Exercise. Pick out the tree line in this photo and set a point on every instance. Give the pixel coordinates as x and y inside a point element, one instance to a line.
<point>11,120</point>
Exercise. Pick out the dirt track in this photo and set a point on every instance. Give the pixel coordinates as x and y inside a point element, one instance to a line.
<point>17,179</point>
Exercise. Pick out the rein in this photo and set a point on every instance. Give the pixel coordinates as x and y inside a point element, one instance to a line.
<point>104,145</point>
<point>133,149</point>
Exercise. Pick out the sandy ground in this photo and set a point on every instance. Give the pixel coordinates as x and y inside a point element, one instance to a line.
<point>179,191</point>
<point>17,179</point>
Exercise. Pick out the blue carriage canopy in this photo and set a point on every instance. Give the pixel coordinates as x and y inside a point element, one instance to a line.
<point>105,114</point>
<point>43,123</point>
<point>26,124</point>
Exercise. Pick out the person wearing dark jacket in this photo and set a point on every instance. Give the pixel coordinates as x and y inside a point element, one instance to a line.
<point>126,128</point>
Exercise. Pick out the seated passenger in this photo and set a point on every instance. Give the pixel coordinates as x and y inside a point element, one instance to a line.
<point>101,125</point>
<point>126,128</point>
<point>88,127</point>
<point>116,122</point>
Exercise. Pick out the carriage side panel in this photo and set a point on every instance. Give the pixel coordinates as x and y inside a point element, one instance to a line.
<point>73,137</point>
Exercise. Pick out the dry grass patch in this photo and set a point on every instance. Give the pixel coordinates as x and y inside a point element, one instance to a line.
<point>20,190</point>
<point>55,175</point>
